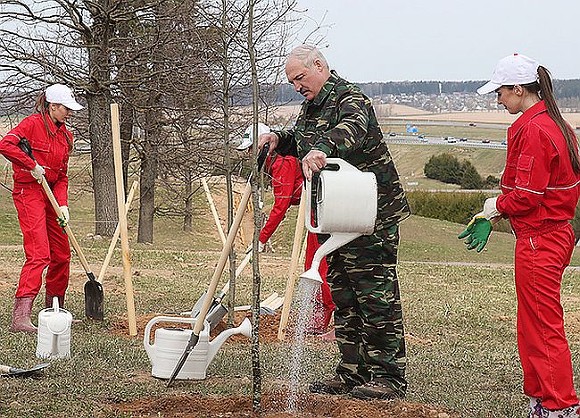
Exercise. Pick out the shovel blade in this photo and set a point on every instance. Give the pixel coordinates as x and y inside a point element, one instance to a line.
<point>94,300</point>
<point>16,372</point>
<point>216,315</point>
<point>197,307</point>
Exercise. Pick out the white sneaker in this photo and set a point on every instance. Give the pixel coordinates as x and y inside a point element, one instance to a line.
<point>570,412</point>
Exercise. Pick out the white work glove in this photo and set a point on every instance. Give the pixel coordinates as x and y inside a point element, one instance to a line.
<point>37,172</point>
<point>489,209</point>
<point>63,220</point>
<point>261,247</point>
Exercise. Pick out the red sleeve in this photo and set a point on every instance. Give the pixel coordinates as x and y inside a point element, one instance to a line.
<point>532,173</point>
<point>283,173</point>
<point>10,149</point>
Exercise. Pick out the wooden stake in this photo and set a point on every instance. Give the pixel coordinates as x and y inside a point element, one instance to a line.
<point>299,231</point>
<point>241,228</point>
<point>129,293</point>
<point>117,232</point>
<point>216,217</point>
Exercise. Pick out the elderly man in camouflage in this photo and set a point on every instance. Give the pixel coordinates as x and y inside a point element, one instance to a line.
<point>337,120</point>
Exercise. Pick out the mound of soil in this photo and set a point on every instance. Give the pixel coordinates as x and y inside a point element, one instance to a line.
<point>274,405</point>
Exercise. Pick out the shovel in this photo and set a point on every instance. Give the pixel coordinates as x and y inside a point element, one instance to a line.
<point>199,323</point>
<point>10,371</point>
<point>93,289</point>
<point>217,310</point>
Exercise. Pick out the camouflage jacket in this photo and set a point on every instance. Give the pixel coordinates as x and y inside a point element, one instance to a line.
<point>341,122</point>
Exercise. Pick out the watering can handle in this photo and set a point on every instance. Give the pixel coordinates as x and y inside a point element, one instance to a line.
<point>157,319</point>
<point>308,219</point>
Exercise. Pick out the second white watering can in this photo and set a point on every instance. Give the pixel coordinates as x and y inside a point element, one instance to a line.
<point>169,344</point>
<point>54,332</point>
<point>342,202</point>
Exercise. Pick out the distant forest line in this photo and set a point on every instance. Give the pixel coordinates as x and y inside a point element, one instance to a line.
<point>563,89</point>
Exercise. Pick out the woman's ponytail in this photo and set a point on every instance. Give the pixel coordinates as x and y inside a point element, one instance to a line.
<point>547,94</point>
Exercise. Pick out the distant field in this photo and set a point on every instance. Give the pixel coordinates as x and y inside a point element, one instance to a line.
<point>434,130</point>
<point>397,111</point>
<point>410,160</point>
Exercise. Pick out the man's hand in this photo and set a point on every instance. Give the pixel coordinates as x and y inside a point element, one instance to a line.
<point>477,233</point>
<point>268,138</point>
<point>63,220</point>
<point>37,172</point>
<point>313,162</point>
<point>261,246</point>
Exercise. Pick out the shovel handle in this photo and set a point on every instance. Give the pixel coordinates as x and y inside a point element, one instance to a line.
<point>25,146</point>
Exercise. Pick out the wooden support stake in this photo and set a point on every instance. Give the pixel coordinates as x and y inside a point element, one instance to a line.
<point>129,293</point>
<point>299,231</point>
<point>117,232</point>
<point>216,217</point>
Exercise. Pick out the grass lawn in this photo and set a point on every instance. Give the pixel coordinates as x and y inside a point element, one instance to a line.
<point>459,310</point>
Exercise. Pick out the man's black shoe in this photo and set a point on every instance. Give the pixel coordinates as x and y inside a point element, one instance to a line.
<point>332,386</point>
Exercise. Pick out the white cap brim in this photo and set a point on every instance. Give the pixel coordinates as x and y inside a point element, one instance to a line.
<point>245,144</point>
<point>73,105</point>
<point>488,87</point>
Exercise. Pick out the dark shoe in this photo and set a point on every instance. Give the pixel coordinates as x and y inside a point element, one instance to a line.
<point>21,316</point>
<point>48,299</point>
<point>375,390</point>
<point>332,386</point>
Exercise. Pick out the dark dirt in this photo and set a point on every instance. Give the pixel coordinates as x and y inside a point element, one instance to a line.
<point>274,405</point>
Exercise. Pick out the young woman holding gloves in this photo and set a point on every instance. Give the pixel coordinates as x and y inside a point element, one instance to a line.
<point>539,194</point>
<point>45,243</point>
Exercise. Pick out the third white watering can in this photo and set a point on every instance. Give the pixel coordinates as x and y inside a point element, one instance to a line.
<point>169,344</point>
<point>342,202</point>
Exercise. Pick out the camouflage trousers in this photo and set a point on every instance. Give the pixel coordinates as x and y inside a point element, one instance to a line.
<point>368,318</point>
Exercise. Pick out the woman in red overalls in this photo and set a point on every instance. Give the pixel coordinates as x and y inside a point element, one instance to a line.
<point>540,190</point>
<point>45,243</point>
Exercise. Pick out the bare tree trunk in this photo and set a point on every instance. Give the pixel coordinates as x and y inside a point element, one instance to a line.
<point>256,280</point>
<point>148,175</point>
<point>147,193</point>
<point>127,122</point>
<point>105,197</point>
<point>228,164</point>
<point>98,100</point>
<point>188,216</point>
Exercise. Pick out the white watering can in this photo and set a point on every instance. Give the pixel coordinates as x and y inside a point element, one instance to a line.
<point>170,343</point>
<point>345,206</point>
<point>54,332</point>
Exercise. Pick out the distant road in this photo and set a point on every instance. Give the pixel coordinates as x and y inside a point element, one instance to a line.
<point>423,122</point>
<point>428,140</point>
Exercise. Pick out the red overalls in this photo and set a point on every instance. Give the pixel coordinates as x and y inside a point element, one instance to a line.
<point>45,243</point>
<point>287,182</point>
<point>539,196</point>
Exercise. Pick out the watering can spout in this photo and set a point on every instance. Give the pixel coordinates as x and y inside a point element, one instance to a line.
<point>335,241</point>
<point>245,329</point>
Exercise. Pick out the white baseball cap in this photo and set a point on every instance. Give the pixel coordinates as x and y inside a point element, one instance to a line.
<point>61,94</point>
<point>248,137</point>
<point>511,70</point>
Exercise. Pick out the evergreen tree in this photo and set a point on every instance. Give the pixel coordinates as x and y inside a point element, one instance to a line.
<point>470,178</point>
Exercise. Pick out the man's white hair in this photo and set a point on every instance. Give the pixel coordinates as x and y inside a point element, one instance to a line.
<point>307,54</point>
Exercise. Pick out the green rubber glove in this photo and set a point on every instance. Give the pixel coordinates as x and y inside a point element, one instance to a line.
<point>477,233</point>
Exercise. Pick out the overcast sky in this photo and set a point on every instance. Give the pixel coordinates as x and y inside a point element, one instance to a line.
<point>393,40</point>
